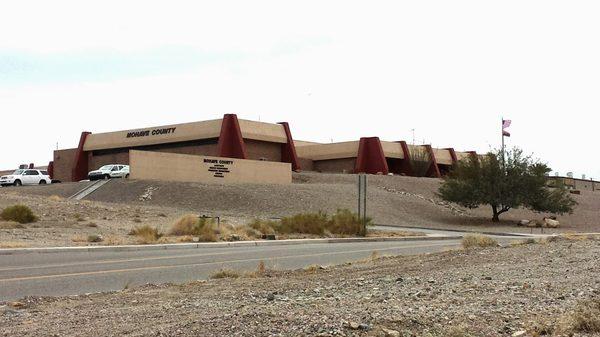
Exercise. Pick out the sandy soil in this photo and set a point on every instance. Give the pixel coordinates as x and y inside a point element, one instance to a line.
<point>122,204</point>
<point>514,291</point>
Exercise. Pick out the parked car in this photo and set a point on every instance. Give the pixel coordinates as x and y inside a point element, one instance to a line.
<point>110,171</point>
<point>26,177</point>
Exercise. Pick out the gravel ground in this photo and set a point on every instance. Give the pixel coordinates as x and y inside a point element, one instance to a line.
<point>68,223</point>
<point>479,292</point>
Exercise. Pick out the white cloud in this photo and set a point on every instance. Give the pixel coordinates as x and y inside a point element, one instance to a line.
<point>335,69</point>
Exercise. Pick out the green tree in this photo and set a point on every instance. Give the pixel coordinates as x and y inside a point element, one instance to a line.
<point>519,182</point>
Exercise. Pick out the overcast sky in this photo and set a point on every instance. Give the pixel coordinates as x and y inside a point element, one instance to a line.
<point>335,70</point>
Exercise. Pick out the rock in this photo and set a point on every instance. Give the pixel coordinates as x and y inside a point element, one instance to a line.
<point>519,333</point>
<point>353,325</point>
<point>271,297</point>
<point>390,333</point>
<point>550,223</point>
<point>233,237</point>
<point>5,310</point>
<point>364,327</point>
<point>16,305</point>
<point>524,222</point>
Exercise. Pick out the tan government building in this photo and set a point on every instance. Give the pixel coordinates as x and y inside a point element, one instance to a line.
<point>238,150</point>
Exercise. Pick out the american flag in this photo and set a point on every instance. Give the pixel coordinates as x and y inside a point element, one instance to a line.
<point>505,125</point>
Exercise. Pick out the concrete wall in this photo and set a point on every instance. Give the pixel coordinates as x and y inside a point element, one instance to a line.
<point>63,164</point>
<point>152,135</point>
<point>306,164</point>
<point>176,133</point>
<point>392,150</point>
<point>260,131</point>
<point>179,167</point>
<point>576,184</point>
<point>261,150</point>
<point>346,165</point>
<point>121,156</point>
<point>443,157</point>
<point>328,151</point>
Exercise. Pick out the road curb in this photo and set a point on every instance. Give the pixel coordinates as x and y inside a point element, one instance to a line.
<point>172,246</point>
<point>462,231</point>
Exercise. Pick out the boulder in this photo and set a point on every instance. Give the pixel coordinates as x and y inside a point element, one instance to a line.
<point>551,223</point>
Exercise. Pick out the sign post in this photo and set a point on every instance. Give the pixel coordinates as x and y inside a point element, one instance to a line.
<point>362,202</point>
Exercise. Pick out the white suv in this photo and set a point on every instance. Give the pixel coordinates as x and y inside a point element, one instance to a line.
<point>26,177</point>
<point>110,171</point>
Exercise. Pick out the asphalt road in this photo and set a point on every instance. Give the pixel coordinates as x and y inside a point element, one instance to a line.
<point>60,274</point>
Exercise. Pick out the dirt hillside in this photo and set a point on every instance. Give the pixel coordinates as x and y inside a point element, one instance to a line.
<point>397,200</point>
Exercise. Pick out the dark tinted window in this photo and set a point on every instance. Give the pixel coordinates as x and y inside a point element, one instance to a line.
<point>44,173</point>
<point>31,173</point>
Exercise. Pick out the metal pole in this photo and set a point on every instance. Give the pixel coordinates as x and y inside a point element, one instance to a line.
<point>365,207</point>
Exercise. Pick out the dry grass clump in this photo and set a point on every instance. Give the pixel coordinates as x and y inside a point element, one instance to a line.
<point>343,222</point>
<point>18,213</point>
<point>574,236</point>
<point>113,240</point>
<point>146,234</point>
<point>79,238</point>
<point>191,225</point>
<point>478,240</point>
<point>263,226</point>
<point>11,225</point>
<point>261,270</point>
<point>225,273</point>
<point>13,244</point>
<point>55,198</point>
<point>524,242</point>
<point>585,318</point>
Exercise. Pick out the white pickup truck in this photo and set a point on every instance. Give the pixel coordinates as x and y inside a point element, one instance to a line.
<point>110,171</point>
<point>26,177</point>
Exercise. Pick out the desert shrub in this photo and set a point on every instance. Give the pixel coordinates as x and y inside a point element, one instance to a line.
<point>478,240</point>
<point>146,234</point>
<point>191,225</point>
<point>343,222</point>
<point>346,222</point>
<point>263,226</point>
<point>18,213</point>
<point>305,223</point>
<point>184,225</point>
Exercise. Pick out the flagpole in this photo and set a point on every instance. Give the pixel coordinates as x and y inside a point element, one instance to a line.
<point>502,133</point>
